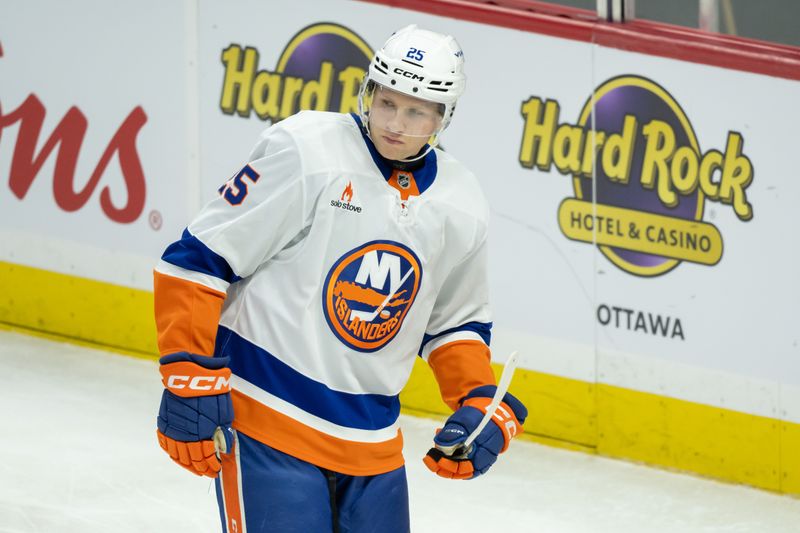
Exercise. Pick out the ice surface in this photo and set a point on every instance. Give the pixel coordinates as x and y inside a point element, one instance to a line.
<point>79,454</point>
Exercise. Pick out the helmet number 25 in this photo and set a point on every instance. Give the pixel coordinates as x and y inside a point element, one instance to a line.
<point>415,54</point>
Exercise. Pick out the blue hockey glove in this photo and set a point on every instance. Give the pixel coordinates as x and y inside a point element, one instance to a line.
<point>196,412</point>
<point>449,459</point>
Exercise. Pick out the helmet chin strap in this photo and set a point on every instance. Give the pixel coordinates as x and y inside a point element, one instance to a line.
<point>425,152</point>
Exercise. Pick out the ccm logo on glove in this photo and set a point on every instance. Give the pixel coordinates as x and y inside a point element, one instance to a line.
<point>187,379</point>
<point>503,417</point>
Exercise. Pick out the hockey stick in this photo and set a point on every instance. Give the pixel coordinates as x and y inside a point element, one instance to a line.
<point>502,388</point>
<point>462,449</point>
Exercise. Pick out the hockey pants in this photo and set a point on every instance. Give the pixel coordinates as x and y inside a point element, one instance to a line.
<point>263,490</point>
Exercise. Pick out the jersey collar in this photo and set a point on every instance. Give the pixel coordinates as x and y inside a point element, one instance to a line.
<point>424,170</point>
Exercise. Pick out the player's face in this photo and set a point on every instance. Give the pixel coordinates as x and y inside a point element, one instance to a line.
<point>400,125</point>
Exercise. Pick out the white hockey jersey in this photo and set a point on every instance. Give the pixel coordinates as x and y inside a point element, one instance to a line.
<point>334,278</point>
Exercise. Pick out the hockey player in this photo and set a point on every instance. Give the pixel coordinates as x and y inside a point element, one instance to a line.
<point>291,310</point>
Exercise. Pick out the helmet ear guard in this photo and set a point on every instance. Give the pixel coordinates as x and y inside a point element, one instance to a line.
<point>421,64</point>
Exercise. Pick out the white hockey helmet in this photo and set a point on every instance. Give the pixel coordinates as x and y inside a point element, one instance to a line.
<point>419,63</point>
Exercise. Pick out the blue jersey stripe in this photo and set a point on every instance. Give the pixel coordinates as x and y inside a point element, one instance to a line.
<point>267,372</point>
<point>484,329</point>
<point>191,254</point>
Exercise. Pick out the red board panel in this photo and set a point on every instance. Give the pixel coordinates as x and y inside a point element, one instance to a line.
<point>642,36</point>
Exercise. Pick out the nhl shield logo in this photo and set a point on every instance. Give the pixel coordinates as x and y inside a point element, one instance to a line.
<point>368,292</point>
<point>403,179</point>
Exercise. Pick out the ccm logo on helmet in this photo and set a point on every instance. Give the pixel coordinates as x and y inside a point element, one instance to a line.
<point>407,74</point>
<point>199,383</point>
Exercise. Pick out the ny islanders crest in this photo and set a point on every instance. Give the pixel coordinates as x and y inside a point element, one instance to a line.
<point>368,292</point>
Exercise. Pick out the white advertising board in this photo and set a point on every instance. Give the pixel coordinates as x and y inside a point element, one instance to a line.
<point>678,280</point>
<point>94,148</point>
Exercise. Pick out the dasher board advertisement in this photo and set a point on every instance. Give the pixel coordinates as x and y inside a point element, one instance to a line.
<point>94,145</point>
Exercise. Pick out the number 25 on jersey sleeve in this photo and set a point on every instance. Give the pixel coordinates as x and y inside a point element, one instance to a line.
<point>235,189</point>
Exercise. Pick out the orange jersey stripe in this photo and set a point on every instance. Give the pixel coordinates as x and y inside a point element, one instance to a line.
<point>298,440</point>
<point>187,315</point>
<point>459,367</point>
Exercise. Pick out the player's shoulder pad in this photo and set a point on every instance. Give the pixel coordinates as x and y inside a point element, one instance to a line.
<point>311,126</point>
<point>298,127</point>
<point>315,118</point>
<point>323,139</point>
<point>459,186</point>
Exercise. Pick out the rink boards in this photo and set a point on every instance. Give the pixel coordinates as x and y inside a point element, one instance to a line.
<point>642,200</point>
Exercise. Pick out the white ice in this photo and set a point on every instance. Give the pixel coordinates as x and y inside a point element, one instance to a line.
<point>79,454</point>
